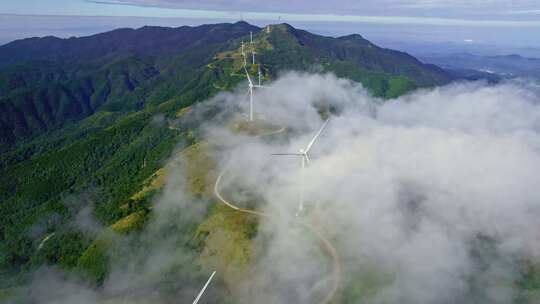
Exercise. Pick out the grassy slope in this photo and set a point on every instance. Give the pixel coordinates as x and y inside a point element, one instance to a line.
<point>222,239</point>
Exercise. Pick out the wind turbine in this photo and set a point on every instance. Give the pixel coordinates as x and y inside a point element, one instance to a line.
<point>252,48</point>
<point>250,91</point>
<point>303,153</point>
<point>204,288</point>
<point>251,85</point>
<point>244,54</point>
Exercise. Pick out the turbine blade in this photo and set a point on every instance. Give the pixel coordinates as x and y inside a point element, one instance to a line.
<point>204,288</point>
<point>307,158</point>
<point>295,154</point>
<point>316,136</point>
<point>249,78</point>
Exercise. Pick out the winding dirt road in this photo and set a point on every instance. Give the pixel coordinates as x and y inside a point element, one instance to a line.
<point>330,250</point>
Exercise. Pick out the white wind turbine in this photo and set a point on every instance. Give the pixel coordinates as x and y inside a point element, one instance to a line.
<point>204,288</point>
<point>303,153</point>
<point>253,52</point>
<point>252,49</point>
<point>250,91</point>
<point>244,54</point>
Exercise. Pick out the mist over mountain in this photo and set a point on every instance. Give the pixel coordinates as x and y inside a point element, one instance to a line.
<point>130,171</point>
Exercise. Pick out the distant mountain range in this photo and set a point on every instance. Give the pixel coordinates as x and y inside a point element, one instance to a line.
<point>507,66</point>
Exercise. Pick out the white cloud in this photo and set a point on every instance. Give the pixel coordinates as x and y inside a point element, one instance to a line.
<point>420,195</point>
<point>408,189</point>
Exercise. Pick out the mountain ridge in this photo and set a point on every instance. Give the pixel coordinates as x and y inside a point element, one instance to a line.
<point>84,73</point>
<point>122,39</point>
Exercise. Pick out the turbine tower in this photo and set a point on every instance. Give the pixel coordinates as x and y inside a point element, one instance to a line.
<point>204,288</point>
<point>303,153</point>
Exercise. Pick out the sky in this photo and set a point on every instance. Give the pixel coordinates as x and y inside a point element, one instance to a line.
<point>484,22</point>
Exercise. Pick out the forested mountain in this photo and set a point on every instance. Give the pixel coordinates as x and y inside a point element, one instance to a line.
<point>46,82</point>
<point>90,115</point>
<point>49,81</point>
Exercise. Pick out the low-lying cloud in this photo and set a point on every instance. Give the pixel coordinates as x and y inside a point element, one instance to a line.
<point>433,194</point>
<point>428,198</point>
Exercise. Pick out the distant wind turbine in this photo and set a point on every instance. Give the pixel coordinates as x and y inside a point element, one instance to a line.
<point>250,91</point>
<point>252,48</point>
<point>244,54</point>
<point>303,153</point>
<point>204,288</point>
